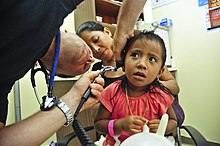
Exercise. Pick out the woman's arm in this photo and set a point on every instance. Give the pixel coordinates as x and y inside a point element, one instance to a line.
<point>169,81</point>
<point>172,122</point>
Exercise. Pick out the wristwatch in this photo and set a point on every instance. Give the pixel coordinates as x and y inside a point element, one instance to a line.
<point>67,112</point>
<point>50,102</point>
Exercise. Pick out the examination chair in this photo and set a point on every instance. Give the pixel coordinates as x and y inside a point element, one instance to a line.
<point>195,135</point>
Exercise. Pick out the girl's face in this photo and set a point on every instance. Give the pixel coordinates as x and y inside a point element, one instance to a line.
<point>143,62</point>
<point>100,43</point>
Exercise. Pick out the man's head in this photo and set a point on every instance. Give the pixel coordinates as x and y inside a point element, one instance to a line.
<point>75,56</point>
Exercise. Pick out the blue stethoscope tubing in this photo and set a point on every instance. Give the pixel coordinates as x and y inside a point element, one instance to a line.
<point>54,67</point>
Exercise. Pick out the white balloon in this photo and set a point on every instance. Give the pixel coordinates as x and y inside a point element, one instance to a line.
<point>146,139</point>
<point>149,139</point>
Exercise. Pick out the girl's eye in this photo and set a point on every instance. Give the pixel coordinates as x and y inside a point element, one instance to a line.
<point>135,55</point>
<point>152,59</point>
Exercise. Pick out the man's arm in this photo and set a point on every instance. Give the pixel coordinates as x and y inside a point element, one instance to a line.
<point>39,127</point>
<point>127,17</point>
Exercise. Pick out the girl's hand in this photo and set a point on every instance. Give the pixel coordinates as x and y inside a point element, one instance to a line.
<point>132,124</point>
<point>153,125</point>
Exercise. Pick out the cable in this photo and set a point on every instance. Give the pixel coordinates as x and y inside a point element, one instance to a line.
<point>82,135</point>
<point>77,127</point>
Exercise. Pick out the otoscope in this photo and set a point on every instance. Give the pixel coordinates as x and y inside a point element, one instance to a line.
<point>82,135</point>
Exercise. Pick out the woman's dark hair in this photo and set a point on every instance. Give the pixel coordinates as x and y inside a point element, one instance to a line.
<point>89,26</point>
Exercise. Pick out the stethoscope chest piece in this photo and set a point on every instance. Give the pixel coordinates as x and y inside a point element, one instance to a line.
<point>48,103</point>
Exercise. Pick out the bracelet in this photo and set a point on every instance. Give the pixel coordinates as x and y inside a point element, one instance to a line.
<point>67,112</point>
<point>111,128</point>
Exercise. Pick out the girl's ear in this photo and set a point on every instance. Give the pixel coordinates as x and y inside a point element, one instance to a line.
<point>107,31</point>
<point>161,72</point>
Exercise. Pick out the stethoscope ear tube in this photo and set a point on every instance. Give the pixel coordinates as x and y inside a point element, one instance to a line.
<point>33,72</point>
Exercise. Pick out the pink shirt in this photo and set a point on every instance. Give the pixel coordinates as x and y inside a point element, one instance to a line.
<point>155,106</point>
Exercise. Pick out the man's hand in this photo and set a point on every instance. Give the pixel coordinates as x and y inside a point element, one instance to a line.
<point>80,87</point>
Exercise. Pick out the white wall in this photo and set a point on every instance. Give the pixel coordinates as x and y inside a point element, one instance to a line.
<point>68,23</point>
<point>11,109</point>
<point>198,61</point>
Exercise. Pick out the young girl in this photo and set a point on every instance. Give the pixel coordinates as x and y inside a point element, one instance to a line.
<point>139,98</point>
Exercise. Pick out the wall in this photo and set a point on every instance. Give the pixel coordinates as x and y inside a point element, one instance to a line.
<point>197,57</point>
<point>68,23</point>
<point>11,109</point>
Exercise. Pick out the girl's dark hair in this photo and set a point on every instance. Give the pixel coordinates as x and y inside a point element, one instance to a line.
<point>148,35</point>
<point>89,26</point>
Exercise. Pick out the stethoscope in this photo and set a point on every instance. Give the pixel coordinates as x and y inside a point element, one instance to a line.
<point>49,100</point>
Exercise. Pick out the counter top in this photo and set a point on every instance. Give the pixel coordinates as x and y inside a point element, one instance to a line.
<point>66,79</point>
<point>172,68</point>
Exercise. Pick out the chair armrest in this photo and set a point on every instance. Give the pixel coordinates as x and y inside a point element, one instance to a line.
<point>197,137</point>
<point>69,137</point>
